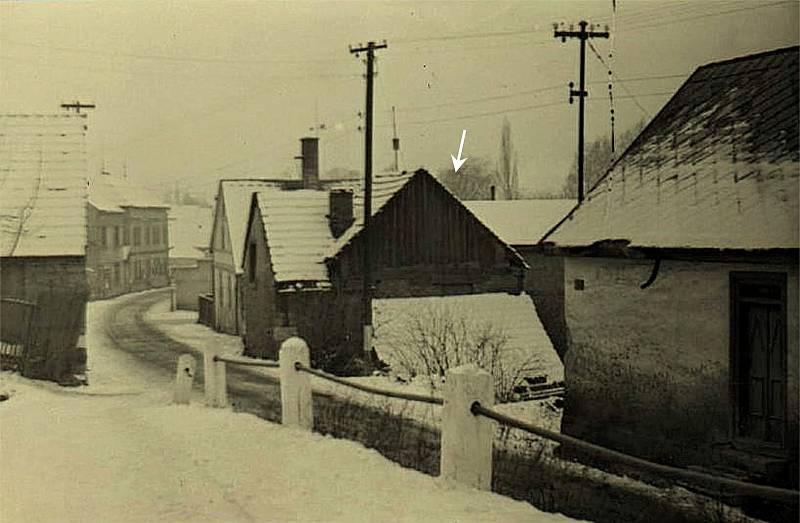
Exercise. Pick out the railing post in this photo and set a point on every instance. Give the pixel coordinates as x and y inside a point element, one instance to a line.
<point>296,402</point>
<point>209,375</point>
<point>222,384</point>
<point>184,379</point>
<point>467,439</point>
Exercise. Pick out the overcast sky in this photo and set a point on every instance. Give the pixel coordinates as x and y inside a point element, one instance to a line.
<point>192,92</point>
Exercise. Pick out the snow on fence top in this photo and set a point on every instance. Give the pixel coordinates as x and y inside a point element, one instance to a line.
<point>43,180</point>
<point>716,168</point>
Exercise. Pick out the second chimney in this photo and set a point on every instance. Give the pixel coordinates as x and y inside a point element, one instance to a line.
<point>309,156</point>
<point>340,214</point>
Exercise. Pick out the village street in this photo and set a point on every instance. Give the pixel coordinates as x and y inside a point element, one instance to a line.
<point>63,450</point>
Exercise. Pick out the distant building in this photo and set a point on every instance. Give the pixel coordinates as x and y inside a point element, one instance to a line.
<point>189,257</point>
<point>521,224</point>
<point>303,266</point>
<point>43,239</point>
<point>682,280</point>
<point>128,238</point>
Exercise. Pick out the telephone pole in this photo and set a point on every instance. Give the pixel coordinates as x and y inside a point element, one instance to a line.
<point>77,106</point>
<point>581,93</point>
<point>395,142</point>
<point>366,233</point>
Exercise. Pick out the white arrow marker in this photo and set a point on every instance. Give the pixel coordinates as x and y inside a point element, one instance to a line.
<point>458,162</point>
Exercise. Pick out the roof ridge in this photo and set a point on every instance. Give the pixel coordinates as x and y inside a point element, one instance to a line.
<point>752,56</point>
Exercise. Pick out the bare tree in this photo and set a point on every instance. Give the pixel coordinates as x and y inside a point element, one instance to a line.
<point>472,182</point>
<point>507,174</point>
<point>431,340</point>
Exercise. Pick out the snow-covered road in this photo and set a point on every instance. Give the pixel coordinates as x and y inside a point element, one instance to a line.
<point>118,451</point>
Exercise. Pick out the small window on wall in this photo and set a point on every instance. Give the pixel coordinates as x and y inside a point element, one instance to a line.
<point>222,237</point>
<point>126,236</point>
<point>251,257</point>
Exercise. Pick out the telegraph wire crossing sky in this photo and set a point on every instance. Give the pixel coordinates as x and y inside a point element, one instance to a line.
<point>190,93</point>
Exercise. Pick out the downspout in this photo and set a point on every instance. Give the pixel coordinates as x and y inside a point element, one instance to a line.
<point>653,274</point>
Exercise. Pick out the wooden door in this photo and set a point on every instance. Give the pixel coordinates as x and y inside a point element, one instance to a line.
<point>760,358</point>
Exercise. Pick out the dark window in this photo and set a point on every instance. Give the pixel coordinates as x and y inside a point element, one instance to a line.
<point>126,236</point>
<point>156,236</point>
<point>137,236</point>
<point>222,237</point>
<point>252,262</point>
<point>103,238</point>
<point>117,239</point>
<point>147,235</point>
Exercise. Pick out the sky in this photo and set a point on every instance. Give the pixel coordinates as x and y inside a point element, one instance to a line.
<point>187,93</point>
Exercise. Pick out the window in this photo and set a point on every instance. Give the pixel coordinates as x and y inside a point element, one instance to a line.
<point>147,235</point>
<point>251,258</point>
<point>126,236</point>
<point>117,239</point>
<point>137,236</point>
<point>103,238</point>
<point>222,237</point>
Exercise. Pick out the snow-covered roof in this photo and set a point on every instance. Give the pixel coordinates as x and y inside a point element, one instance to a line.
<point>189,230</point>
<point>111,192</point>
<point>383,188</point>
<point>520,222</point>
<point>297,232</point>
<point>42,185</point>
<point>236,196</point>
<point>716,168</point>
<point>398,322</point>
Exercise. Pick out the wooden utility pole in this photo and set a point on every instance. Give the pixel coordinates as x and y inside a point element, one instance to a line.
<point>366,233</point>
<point>76,106</point>
<point>395,142</point>
<point>581,93</point>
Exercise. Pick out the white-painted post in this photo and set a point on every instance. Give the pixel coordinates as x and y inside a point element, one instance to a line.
<point>222,384</point>
<point>467,439</point>
<point>296,402</point>
<point>184,379</point>
<point>210,375</point>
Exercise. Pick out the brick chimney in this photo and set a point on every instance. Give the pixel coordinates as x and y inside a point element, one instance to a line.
<point>309,156</point>
<point>340,214</point>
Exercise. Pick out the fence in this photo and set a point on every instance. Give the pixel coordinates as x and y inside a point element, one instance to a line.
<point>467,430</point>
<point>16,322</point>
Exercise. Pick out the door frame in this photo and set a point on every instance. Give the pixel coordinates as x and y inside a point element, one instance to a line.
<point>736,279</point>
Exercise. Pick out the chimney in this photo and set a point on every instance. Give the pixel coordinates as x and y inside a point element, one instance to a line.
<point>309,156</point>
<point>340,215</point>
<point>492,192</point>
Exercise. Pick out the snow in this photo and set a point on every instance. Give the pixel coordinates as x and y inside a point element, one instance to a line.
<point>134,457</point>
<point>520,222</point>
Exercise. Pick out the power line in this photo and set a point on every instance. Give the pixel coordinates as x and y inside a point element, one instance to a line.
<point>709,15</point>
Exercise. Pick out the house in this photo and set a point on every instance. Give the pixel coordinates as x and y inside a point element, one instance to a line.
<point>43,241</point>
<point>230,226</point>
<point>681,271</point>
<point>521,224</point>
<point>189,257</point>
<point>128,238</point>
<point>303,270</point>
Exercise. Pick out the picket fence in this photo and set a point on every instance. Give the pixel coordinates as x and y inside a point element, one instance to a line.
<point>467,430</point>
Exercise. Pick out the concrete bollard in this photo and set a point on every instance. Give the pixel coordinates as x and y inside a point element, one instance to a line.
<point>467,439</point>
<point>184,379</point>
<point>210,382</point>
<point>296,403</point>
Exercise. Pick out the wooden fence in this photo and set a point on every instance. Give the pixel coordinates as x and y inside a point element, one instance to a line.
<point>467,431</point>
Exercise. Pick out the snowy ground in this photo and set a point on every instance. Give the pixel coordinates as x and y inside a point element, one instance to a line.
<point>118,451</point>
<point>182,326</point>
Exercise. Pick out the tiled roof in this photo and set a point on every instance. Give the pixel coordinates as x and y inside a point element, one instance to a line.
<point>383,188</point>
<point>111,192</point>
<point>189,230</point>
<point>42,185</point>
<point>297,231</point>
<point>520,222</point>
<point>236,196</point>
<point>527,346</point>
<point>716,168</point>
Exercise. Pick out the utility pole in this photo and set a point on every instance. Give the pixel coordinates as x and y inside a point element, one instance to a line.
<point>395,142</point>
<point>77,106</point>
<point>366,233</point>
<point>581,93</point>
